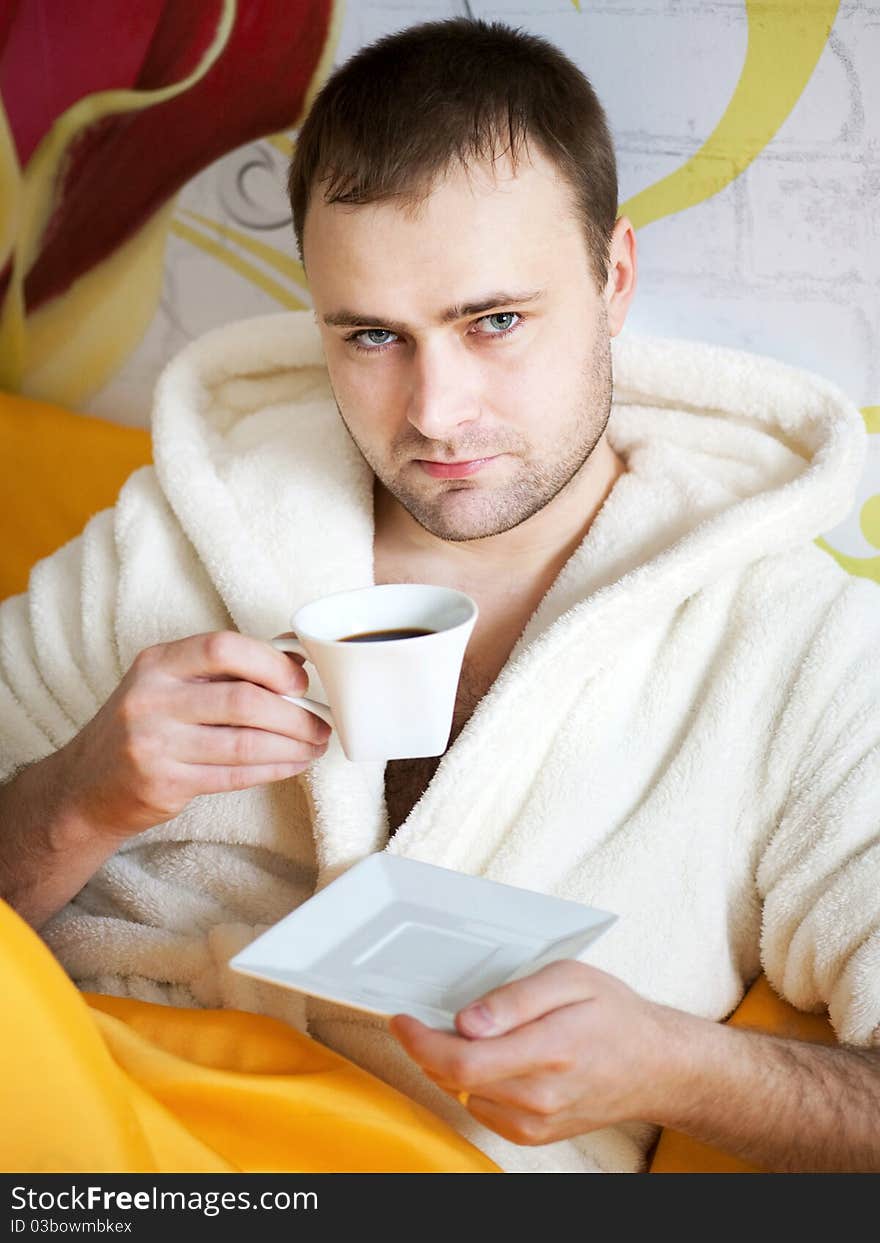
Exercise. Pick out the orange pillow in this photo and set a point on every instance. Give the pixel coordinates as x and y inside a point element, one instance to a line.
<point>57,468</point>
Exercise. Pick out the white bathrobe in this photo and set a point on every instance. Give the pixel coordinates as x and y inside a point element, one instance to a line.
<point>686,733</point>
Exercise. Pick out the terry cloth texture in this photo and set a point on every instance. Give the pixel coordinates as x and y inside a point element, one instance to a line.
<point>687,731</point>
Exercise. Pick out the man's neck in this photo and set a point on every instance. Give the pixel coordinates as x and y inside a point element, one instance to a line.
<point>535,551</point>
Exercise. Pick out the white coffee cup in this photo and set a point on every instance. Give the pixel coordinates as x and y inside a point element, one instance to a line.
<point>390,699</point>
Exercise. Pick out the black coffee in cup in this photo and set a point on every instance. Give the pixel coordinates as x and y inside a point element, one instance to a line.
<point>384,636</point>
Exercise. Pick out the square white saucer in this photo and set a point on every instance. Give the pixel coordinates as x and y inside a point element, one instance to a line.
<point>395,936</point>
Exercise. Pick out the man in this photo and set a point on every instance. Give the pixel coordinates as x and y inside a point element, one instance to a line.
<point>668,708</point>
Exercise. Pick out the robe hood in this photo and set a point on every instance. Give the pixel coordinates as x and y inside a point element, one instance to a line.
<point>731,457</point>
<point>255,462</point>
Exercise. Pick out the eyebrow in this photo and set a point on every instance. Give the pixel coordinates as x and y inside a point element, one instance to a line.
<point>345,318</point>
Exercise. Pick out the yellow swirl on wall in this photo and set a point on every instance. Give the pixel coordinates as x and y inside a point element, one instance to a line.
<point>292,299</point>
<point>785,42</point>
<point>861,567</point>
<point>10,180</point>
<point>869,520</point>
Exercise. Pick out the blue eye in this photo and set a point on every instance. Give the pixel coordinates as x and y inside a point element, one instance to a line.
<point>371,334</point>
<point>510,316</point>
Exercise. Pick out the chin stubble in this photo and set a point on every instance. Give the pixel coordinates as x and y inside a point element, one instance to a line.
<point>533,488</point>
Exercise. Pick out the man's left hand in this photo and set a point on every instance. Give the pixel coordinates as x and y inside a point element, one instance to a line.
<point>564,1051</point>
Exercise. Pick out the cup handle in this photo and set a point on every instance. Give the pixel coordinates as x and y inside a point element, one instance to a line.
<point>290,643</point>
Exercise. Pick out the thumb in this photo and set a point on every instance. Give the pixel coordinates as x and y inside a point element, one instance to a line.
<point>561,983</point>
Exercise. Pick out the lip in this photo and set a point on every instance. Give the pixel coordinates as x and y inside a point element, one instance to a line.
<point>454,470</point>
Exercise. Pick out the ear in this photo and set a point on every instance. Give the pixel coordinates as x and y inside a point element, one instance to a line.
<point>622,274</point>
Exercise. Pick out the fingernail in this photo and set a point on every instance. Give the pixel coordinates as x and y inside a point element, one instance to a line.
<point>478,1020</point>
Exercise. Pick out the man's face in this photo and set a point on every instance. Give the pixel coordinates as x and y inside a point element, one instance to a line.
<point>467,334</point>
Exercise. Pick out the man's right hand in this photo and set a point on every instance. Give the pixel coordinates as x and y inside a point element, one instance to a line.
<point>200,715</point>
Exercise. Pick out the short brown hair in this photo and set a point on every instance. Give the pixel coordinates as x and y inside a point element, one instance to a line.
<point>396,115</point>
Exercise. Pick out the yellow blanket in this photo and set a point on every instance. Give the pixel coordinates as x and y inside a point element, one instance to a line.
<point>101,1084</point>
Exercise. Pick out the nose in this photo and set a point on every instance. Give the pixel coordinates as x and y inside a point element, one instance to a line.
<point>443,394</point>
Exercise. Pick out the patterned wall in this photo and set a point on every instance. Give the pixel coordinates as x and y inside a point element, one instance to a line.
<point>748,138</point>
